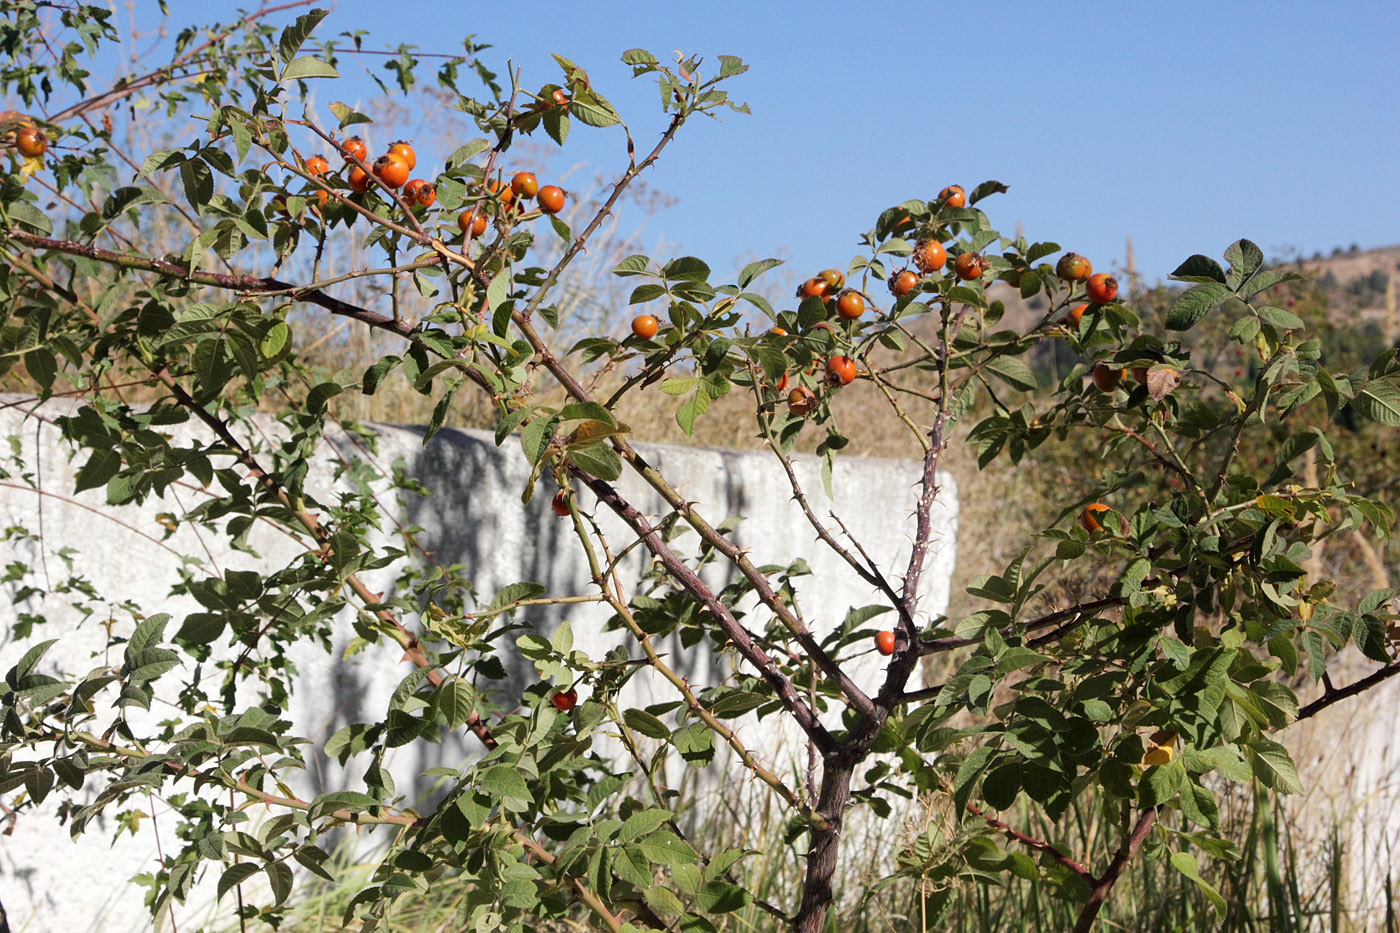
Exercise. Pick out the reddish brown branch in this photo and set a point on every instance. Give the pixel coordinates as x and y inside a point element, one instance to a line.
<point>741,638</point>
<point>1105,883</point>
<point>1337,694</point>
<point>251,284</point>
<point>1031,842</point>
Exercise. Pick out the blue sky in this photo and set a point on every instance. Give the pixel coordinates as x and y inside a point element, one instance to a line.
<point>1184,125</point>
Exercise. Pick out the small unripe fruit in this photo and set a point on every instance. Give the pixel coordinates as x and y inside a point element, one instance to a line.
<point>1073,267</point>
<point>832,278</point>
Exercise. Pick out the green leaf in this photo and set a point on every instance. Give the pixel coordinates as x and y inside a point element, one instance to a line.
<point>505,783</point>
<point>319,395</point>
<point>279,877</point>
<point>514,593</point>
<point>346,116</point>
<point>592,109</point>
<point>1379,401</point>
<point>686,269</point>
<point>1194,304</point>
<point>99,469</point>
<point>1199,269</point>
<point>632,265</point>
<point>236,875</point>
<point>42,366</point>
<point>27,662</point>
<point>456,700</point>
<point>295,35</point>
<point>754,269</point>
<point>690,412</point>
<point>578,411</point>
<point>641,823</point>
<point>314,860</point>
<point>664,847</point>
<point>1273,767</point>
<point>535,437</point>
<point>648,725</point>
<point>599,459</point>
<point>307,67</point>
<point>1280,318</point>
<point>1245,259</point>
<point>1013,372</point>
<point>1185,863</point>
<point>1000,787</point>
<point>274,340</point>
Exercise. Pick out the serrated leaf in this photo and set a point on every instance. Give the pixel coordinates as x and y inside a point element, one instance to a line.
<point>641,823</point>
<point>648,725</point>
<point>1245,259</point>
<point>599,459</point>
<point>296,34</point>
<point>1273,766</point>
<point>1199,269</point>
<point>576,411</point>
<point>99,469</point>
<point>632,265</point>
<point>346,116</point>
<point>236,875</point>
<point>1194,304</point>
<point>1379,401</point>
<point>754,269</point>
<point>1185,863</point>
<point>307,67</point>
<point>1280,318</point>
<point>1013,372</point>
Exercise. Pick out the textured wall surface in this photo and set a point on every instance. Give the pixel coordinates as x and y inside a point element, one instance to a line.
<point>474,517</point>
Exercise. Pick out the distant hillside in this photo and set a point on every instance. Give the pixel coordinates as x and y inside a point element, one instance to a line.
<point>1353,282</point>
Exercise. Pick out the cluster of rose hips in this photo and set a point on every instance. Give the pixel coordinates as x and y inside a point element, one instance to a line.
<point>829,285</point>
<point>1100,288</point>
<point>394,166</point>
<point>522,185</point>
<point>929,256</point>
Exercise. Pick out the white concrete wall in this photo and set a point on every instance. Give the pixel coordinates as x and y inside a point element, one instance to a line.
<point>473,517</point>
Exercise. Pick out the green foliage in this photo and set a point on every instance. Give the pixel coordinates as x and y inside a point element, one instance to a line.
<point>1168,682</point>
